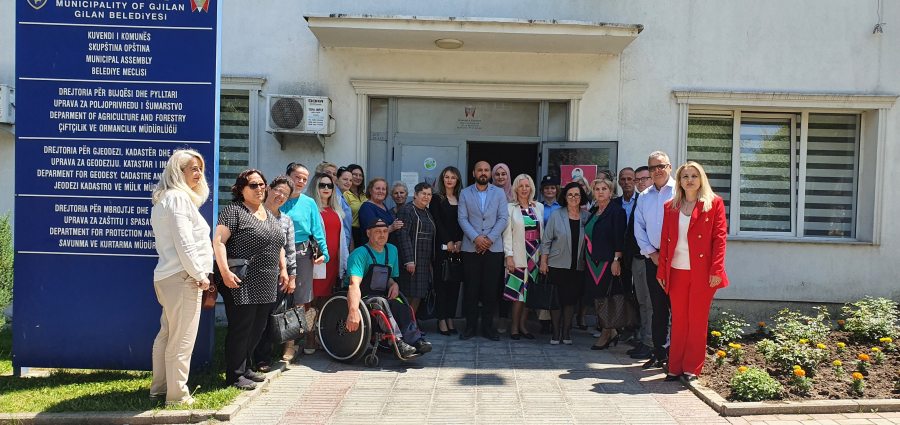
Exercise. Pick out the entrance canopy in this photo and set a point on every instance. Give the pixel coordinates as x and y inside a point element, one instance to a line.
<point>471,34</point>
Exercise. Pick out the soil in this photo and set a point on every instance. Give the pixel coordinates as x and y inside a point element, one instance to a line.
<point>826,386</point>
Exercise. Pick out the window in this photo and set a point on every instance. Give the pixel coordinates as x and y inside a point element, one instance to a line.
<point>775,181</point>
<point>234,142</point>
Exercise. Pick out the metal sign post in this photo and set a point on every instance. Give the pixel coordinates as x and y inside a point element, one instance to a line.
<point>106,91</point>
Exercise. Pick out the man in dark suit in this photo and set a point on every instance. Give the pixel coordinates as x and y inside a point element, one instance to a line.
<point>482,217</point>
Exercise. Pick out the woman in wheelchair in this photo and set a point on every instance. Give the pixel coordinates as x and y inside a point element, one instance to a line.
<point>371,270</point>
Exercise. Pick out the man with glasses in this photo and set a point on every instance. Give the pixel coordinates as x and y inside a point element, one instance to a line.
<point>648,221</point>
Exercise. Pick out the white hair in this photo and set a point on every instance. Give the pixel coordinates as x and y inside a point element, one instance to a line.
<point>172,177</point>
<point>515,187</point>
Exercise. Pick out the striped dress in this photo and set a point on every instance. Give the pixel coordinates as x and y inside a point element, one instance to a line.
<point>517,282</point>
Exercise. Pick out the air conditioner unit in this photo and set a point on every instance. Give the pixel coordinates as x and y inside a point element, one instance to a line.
<point>7,104</point>
<point>299,115</point>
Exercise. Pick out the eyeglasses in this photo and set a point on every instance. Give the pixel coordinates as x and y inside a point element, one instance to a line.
<point>642,179</point>
<point>279,194</point>
<point>576,196</point>
<point>255,186</point>
<point>326,185</point>
<point>659,167</point>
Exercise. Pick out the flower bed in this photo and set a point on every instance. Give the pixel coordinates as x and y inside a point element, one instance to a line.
<point>796,357</point>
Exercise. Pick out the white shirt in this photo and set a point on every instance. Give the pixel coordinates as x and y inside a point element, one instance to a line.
<point>648,216</point>
<point>681,260</point>
<point>627,205</point>
<point>182,237</point>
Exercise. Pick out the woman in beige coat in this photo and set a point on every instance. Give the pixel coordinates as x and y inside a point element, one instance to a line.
<point>521,245</point>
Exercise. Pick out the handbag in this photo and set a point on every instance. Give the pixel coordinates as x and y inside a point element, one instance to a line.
<point>319,270</point>
<point>542,295</point>
<point>239,267</point>
<point>615,311</point>
<point>452,269</point>
<point>286,323</point>
<point>210,295</point>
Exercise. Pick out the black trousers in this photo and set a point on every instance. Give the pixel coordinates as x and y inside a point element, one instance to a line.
<point>263,351</point>
<point>447,292</point>
<point>482,277</point>
<point>661,308</point>
<point>246,324</point>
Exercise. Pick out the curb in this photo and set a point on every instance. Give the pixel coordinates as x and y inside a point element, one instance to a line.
<point>146,417</point>
<point>727,408</point>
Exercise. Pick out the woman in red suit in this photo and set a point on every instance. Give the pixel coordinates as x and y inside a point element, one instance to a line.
<point>691,266</point>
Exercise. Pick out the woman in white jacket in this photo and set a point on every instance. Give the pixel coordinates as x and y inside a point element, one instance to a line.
<point>182,273</point>
<point>521,245</point>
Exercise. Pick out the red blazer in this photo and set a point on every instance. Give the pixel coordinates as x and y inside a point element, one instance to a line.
<point>706,242</point>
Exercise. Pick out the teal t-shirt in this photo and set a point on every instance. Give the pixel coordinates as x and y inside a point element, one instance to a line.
<point>359,261</point>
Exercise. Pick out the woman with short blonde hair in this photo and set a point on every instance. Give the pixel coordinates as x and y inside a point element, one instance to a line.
<point>522,248</point>
<point>182,272</point>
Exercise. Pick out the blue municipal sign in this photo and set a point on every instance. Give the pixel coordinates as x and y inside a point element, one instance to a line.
<point>105,91</point>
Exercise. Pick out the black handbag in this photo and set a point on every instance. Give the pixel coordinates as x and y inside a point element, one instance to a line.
<point>542,295</point>
<point>239,267</point>
<point>453,270</point>
<point>286,323</point>
<point>615,311</point>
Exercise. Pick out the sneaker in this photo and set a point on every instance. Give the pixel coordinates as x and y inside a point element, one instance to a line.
<point>567,342</point>
<point>554,342</point>
<point>244,384</point>
<point>253,376</point>
<point>422,346</point>
<point>157,397</point>
<point>405,349</point>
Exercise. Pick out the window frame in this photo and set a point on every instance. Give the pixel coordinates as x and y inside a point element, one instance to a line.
<point>872,114</point>
<point>252,87</point>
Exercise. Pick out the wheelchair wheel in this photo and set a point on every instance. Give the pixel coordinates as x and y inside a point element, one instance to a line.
<point>337,341</point>
<point>371,360</point>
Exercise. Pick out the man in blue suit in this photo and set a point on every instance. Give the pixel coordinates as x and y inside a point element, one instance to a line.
<point>482,216</point>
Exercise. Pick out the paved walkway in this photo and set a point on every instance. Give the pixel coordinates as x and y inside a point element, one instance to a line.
<point>481,381</point>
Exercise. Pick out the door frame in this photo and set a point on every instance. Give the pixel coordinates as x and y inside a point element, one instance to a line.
<point>613,147</point>
<point>365,89</point>
<point>427,140</point>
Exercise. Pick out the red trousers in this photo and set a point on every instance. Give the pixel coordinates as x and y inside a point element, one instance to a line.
<point>690,319</point>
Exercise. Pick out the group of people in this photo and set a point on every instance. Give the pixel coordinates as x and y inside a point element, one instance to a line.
<point>294,239</point>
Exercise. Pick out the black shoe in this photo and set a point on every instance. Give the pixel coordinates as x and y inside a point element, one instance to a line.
<point>422,346</point>
<point>468,333</point>
<point>660,362</point>
<point>645,352</point>
<point>444,333</point>
<point>453,331</point>
<point>528,335</point>
<point>650,363</point>
<point>514,337</point>
<point>670,378</point>
<point>690,377</point>
<point>635,349</point>
<point>244,384</point>
<point>582,327</point>
<point>253,376</point>
<point>599,347</point>
<point>490,334</point>
<point>405,349</point>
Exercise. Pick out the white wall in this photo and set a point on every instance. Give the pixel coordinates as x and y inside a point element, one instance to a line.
<point>814,46</point>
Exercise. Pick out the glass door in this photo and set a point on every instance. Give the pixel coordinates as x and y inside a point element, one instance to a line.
<point>421,158</point>
<point>571,160</point>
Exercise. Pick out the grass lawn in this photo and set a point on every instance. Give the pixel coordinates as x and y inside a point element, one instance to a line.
<point>103,390</point>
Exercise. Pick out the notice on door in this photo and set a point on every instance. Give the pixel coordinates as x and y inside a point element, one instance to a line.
<point>411,178</point>
<point>569,173</point>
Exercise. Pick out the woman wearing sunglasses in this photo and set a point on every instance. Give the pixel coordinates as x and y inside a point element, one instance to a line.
<point>307,226</point>
<point>323,192</point>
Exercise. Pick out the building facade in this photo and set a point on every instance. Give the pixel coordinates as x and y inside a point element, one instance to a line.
<point>790,106</point>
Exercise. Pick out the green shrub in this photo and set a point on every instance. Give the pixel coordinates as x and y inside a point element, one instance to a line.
<point>784,355</point>
<point>730,326</point>
<point>754,385</point>
<point>793,326</point>
<point>6,265</point>
<point>871,319</point>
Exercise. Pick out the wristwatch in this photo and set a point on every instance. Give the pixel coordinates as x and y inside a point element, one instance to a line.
<point>617,258</point>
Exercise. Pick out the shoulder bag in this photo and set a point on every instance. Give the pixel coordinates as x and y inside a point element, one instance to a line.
<point>615,311</point>
<point>210,295</point>
<point>452,269</point>
<point>286,323</point>
<point>542,295</point>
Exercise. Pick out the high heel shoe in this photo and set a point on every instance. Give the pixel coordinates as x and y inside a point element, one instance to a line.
<point>444,333</point>
<point>614,341</point>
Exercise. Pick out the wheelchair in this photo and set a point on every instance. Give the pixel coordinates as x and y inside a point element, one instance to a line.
<point>348,347</point>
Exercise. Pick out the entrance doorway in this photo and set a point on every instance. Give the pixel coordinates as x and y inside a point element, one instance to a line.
<point>522,158</point>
